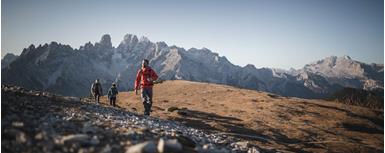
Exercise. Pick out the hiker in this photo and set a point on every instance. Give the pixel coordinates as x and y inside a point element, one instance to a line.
<point>112,92</point>
<point>144,81</point>
<point>96,90</point>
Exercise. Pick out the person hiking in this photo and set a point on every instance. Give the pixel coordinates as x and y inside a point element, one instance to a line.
<point>96,90</point>
<point>144,81</point>
<point>112,92</point>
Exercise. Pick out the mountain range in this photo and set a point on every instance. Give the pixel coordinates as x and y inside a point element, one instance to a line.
<point>67,71</point>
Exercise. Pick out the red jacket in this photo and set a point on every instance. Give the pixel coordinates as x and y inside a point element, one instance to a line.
<point>144,78</point>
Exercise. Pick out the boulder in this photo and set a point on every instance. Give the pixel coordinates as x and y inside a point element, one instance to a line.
<point>145,147</point>
<point>73,138</point>
<point>169,146</point>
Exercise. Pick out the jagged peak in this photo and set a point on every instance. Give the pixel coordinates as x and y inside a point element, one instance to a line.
<point>27,50</point>
<point>331,57</point>
<point>31,47</point>
<point>9,55</point>
<point>347,57</point>
<point>54,43</point>
<point>86,46</point>
<point>127,37</point>
<point>162,43</point>
<point>106,41</point>
<point>130,39</point>
<point>250,66</point>
<point>144,39</point>
<point>193,49</point>
<point>159,45</point>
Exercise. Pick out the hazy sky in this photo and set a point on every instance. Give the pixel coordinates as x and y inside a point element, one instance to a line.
<point>266,33</point>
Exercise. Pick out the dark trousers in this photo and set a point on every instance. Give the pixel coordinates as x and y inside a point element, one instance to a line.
<point>112,101</point>
<point>97,97</point>
<point>147,100</point>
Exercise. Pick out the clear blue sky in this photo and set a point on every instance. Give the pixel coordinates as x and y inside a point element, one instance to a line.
<point>266,33</point>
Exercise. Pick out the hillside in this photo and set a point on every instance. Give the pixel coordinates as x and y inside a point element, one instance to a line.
<point>35,121</point>
<point>360,97</point>
<point>266,120</point>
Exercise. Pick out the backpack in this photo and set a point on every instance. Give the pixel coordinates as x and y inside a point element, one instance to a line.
<point>112,92</point>
<point>95,87</point>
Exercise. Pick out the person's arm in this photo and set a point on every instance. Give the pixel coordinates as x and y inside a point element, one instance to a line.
<point>137,80</point>
<point>154,76</point>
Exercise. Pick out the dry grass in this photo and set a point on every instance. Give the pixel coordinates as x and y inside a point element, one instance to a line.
<point>272,122</point>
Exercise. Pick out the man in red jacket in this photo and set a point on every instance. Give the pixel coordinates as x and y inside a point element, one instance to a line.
<point>144,80</point>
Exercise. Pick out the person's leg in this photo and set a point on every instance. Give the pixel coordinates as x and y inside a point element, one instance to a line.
<point>114,101</point>
<point>149,102</point>
<point>111,99</point>
<point>144,100</point>
<point>98,98</point>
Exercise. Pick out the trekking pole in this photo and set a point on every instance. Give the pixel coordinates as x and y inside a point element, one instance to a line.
<point>157,81</point>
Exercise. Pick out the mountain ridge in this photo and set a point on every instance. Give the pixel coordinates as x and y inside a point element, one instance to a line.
<point>51,66</point>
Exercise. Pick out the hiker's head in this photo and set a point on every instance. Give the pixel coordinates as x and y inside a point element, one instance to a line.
<point>145,63</point>
<point>113,84</point>
<point>97,81</point>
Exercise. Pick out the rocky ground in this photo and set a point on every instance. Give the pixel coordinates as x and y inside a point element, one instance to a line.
<point>34,121</point>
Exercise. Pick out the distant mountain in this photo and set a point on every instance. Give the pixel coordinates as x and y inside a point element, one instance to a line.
<point>7,59</point>
<point>333,73</point>
<point>347,72</point>
<point>61,69</point>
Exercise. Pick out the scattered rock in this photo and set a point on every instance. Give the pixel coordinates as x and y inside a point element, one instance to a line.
<point>17,124</point>
<point>88,129</point>
<point>273,95</point>
<point>183,112</point>
<point>144,147</point>
<point>171,109</point>
<point>186,141</point>
<point>95,140</point>
<point>73,138</point>
<point>21,137</point>
<point>242,145</point>
<point>172,145</point>
<point>106,149</point>
<point>253,150</point>
<point>134,109</point>
<point>39,136</point>
<point>60,124</point>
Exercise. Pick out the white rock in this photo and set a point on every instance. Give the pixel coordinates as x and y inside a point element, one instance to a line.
<point>21,137</point>
<point>169,146</point>
<point>73,138</point>
<point>145,147</point>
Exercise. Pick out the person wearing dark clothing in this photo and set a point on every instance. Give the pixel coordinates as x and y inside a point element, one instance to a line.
<point>145,80</point>
<point>112,93</point>
<point>96,90</point>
